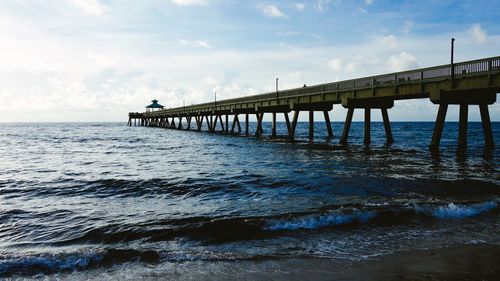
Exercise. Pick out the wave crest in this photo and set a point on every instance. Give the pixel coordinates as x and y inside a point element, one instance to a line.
<point>313,222</point>
<point>457,211</point>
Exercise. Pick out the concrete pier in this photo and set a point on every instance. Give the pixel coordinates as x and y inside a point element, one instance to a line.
<point>469,83</point>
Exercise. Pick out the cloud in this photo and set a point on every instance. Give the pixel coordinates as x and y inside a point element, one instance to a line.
<point>402,61</point>
<point>90,6</point>
<point>354,64</point>
<point>368,2</point>
<point>66,76</point>
<point>299,6</point>
<point>336,64</point>
<point>272,11</point>
<point>195,43</point>
<point>407,26</point>
<point>324,5</point>
<point>190,2</point>
<point>388,41</point>
<point>477,33</point>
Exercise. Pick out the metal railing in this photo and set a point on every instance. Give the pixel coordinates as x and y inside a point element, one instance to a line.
<point>441,72</point>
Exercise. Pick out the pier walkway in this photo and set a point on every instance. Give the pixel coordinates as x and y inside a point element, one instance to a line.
<point>474,82</point>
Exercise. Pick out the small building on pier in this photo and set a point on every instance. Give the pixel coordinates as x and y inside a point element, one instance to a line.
<point>154,106</point>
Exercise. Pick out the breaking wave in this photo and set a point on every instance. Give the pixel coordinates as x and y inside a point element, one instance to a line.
<point>457,211</point>
<point>313,222</point>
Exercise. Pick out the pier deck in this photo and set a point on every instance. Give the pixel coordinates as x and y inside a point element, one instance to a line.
<point>474,82</point>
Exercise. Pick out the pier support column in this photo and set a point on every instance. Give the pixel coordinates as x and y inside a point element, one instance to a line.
<point>246,124</point>
<point>438,127</point>
<point>129,122</point>
<point>462,130</point>
<point>347,125</point>
<point>234,123</point>
<point>227,123</point>
<point>214,125</point>
<point>273,134</point>
<point>238,123</point>
<point>294,124</point>
<point>387,126</point>
<point>488,133</point>
<point>180,123</point>
<point>188,123</point>
<point>210,125</point>
<point>367,138</point>
<point>208,122</point>
<point>289,129</point>
<point>311,126</point>
<point>328,124</point>
<point>172,124</point>
<point>221,124</point>
<point>259,129</point>
<point>198,119</point>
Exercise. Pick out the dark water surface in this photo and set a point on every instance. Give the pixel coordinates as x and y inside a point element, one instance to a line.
<point>88,197</point>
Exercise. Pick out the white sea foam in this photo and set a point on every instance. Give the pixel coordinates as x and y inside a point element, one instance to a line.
<point>47,263</point>
<point>313,222</point>
<point>457,211</point>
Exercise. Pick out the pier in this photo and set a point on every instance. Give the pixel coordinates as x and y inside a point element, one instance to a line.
<point>462,84</point>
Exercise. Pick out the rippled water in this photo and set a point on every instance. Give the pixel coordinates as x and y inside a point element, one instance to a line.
<point>82,197</point>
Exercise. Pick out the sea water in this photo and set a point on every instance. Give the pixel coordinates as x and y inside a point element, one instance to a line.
<point>83,200</point>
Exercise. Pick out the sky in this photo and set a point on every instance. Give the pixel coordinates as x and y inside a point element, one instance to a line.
<point>97,60</point>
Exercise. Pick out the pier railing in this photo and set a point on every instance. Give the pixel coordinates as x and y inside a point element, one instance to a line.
<point>430,74</point>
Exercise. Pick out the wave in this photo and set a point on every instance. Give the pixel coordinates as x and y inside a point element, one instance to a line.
<point>244,185</point>
<point>457,211</point>
<point>380,214</point>
<point>223,229</point>
<point>67,262</point>
<point>313,222</point>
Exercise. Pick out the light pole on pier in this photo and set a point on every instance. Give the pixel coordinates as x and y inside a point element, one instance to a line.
<point>277,88</point>
<point>452,54</point>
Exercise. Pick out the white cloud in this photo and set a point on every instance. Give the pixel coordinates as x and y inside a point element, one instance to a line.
<point>354,63</point>
<point>387,41</point>
<point>90,6</point>
<point>190,2</point>
<point>407,26</point>
<point>195,43</point>
<point>69,77</point>
<point>402,61</point>
<point>336,64</point>
<point>368,2</point>
<point>477,33</point>
<point>299,6</point>
<point>272,11</point>
<point>324,5</point>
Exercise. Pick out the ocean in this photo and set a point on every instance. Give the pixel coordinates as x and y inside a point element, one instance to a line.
<point>105,201</point>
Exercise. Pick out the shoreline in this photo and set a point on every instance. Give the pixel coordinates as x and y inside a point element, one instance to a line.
<point>468,262</point>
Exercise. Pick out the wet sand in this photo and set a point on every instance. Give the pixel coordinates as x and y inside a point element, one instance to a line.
<point>471,262</point>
